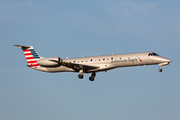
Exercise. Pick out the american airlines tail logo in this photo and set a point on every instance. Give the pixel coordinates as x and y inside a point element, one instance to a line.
<point>139,59</point>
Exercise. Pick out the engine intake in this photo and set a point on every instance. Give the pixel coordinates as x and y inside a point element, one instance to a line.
<point>49,62</point>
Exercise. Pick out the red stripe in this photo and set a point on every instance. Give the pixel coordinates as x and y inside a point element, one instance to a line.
<point>32,62</point>
<point>28,54</point>
<point>29,58</point>
<point>34,65</point>
<point>27,50</point>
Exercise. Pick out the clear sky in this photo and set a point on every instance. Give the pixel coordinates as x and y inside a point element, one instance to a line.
<point>73,28</point>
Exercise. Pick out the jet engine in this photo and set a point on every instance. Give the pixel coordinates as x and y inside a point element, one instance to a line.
<point>50,62</point>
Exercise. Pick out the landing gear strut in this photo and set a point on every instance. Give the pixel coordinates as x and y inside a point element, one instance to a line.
<point>92,76</point>
<point>160,70</point>
<point>80,76</point>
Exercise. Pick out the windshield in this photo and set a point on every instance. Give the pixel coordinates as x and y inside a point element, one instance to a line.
<point>153,54</point>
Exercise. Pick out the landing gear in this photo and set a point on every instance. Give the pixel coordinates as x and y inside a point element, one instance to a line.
<point>80,76</point>
<point>92,76</point>
<point>160,70</point>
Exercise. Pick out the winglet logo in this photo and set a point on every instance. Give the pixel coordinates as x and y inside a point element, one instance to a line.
<point>139,59</point>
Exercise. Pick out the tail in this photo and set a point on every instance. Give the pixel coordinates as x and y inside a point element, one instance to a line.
<point>31,55</point>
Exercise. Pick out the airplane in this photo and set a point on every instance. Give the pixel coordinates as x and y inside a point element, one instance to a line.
<point>90,64</point>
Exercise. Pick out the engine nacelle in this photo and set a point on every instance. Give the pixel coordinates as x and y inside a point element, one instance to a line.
<point>48,63</point>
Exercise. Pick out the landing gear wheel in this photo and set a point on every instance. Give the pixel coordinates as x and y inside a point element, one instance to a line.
<point>91,78</point>
<point>160,70</point>
<point>80,76</point>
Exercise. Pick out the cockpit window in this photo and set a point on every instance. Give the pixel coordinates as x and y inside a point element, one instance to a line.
<point>153,54</point>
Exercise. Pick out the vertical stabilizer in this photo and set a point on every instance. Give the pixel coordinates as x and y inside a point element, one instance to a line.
<point>31,55</point>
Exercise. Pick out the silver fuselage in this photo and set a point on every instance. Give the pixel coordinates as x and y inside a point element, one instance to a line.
<point>108,62</point>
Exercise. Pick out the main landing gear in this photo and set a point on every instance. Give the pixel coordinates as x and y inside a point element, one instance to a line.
<point>80,76</point>
<point>92,76</point>
<point>81,72</point>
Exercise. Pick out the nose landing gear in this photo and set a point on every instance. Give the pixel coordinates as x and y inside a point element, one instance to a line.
<point>160,70</point>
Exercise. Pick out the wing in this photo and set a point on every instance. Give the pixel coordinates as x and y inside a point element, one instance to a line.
<point>75,66</point>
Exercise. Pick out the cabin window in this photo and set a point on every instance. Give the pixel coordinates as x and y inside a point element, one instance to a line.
<point>95,60</point>
<point>82,61</point>
<point>99,59</point>
<point>107,59</point>
<point>74,61</point>
<point>115,58</point>
<point>91,60</point>
<point>104,59</point>
<point>111,58</point>
<point>120,58</point>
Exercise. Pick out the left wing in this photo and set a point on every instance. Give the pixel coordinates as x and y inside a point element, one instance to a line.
<point>75,66</point>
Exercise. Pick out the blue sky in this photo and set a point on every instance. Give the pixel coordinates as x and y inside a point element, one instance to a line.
<point>89,28</point>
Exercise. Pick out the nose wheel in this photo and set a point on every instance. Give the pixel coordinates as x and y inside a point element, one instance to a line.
<point>160,70</point>
<point>92,76</point>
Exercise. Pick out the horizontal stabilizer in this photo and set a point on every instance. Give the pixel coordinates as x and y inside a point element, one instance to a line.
<point>20,46</point>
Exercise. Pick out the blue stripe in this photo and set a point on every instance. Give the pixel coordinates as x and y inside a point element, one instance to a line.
<point>34,53</point>
<point>36,57</point>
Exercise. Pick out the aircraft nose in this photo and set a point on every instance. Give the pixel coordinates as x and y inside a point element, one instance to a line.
<point>167,60</point>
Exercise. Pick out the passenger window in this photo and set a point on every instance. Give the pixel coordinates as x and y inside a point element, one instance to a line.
<point>104,59</point>
<point>99,59</point>
<point>91,60</point>
<point>107,59</point>
<point>111,58</point>
<point>74,61</point>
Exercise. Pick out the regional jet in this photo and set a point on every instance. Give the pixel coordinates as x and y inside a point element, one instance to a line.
<point>90,64</point>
